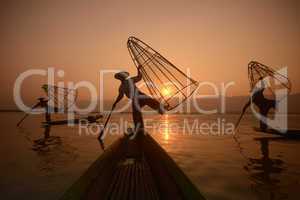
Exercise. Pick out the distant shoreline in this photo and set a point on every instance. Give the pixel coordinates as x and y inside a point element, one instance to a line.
<point>191,113</point>
<point>234,105</point>
<point>10,110</point>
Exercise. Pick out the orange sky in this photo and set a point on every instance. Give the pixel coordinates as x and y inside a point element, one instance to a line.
<point>215,39</point>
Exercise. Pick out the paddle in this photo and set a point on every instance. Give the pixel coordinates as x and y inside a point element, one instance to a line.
<point>26,115</point>
<point>23,118</point>
<point>103,129</point>
<point>242,114</point>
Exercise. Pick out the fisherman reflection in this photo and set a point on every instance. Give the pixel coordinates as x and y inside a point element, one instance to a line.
<point>53,152</point>
<point>264,172</point>
<point>44,143</point>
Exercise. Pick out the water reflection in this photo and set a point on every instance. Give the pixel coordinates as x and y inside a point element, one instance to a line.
<point>265,173</point>
<point>43,144</point>
<point>166,129</point>
<point>53,152</point>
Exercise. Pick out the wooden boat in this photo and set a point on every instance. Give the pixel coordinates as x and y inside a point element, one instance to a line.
<point>90,119</point>
<point>291,133</point>
<point>133,169</point>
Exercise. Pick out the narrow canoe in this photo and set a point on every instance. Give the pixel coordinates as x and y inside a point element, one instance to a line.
<point>133,169</point>
<point>90,119</point>
<point>290,134</point>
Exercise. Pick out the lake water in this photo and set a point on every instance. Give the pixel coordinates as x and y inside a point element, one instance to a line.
<point>251,165</point>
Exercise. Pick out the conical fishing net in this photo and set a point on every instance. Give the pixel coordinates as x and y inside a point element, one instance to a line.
<point>60,98</point>
<point>276,80</point>
<point>165,82</point>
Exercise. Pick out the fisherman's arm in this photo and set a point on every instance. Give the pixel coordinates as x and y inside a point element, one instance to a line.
<point>36,105</point>
<point>139,75</point>
<point>119,98</point>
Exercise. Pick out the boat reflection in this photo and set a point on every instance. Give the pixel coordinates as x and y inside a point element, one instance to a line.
<point>265,173</point>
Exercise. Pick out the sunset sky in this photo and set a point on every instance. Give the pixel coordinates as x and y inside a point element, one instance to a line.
<point>215,39</point>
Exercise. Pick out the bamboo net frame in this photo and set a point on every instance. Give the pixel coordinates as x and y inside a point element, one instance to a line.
<point>165,82</point>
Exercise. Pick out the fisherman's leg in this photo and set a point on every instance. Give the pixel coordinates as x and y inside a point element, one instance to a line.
<point>134,149</point>
<point>152,103</point>
<point>268,105</point>
<point>263,125</point>
<point>47,131</point>
<point>47,115</point>
<point>137,116</point>
<point>273,104</point>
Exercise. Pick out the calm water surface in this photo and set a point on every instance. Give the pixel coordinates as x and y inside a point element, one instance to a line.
<point>37,163</point>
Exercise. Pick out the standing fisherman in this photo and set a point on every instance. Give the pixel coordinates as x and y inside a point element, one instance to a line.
<point>42,103</point>
<point>264,105</point>
<point>138,98</point>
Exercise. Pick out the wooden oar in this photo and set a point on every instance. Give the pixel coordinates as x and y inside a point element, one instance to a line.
<point>26,115</point>
<point>242,114</point>
<point>103,129</point>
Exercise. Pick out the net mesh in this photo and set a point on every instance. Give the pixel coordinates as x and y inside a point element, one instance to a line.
<point>276,80</point>
<point>165,82</point>
<point>60,98</point>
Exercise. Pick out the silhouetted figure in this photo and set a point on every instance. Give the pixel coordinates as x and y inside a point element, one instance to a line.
<point>43,103</point>
<point>138,98</point>
<point>264,105</point>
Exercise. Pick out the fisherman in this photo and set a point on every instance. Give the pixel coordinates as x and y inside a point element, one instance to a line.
<point>138,98</point>
<point>43,103</point>
<point>264,105</point>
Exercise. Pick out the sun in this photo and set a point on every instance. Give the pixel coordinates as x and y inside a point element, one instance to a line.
<point>166,92</point>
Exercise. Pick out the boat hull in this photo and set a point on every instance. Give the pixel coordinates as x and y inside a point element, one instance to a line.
<point>134,169</point>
